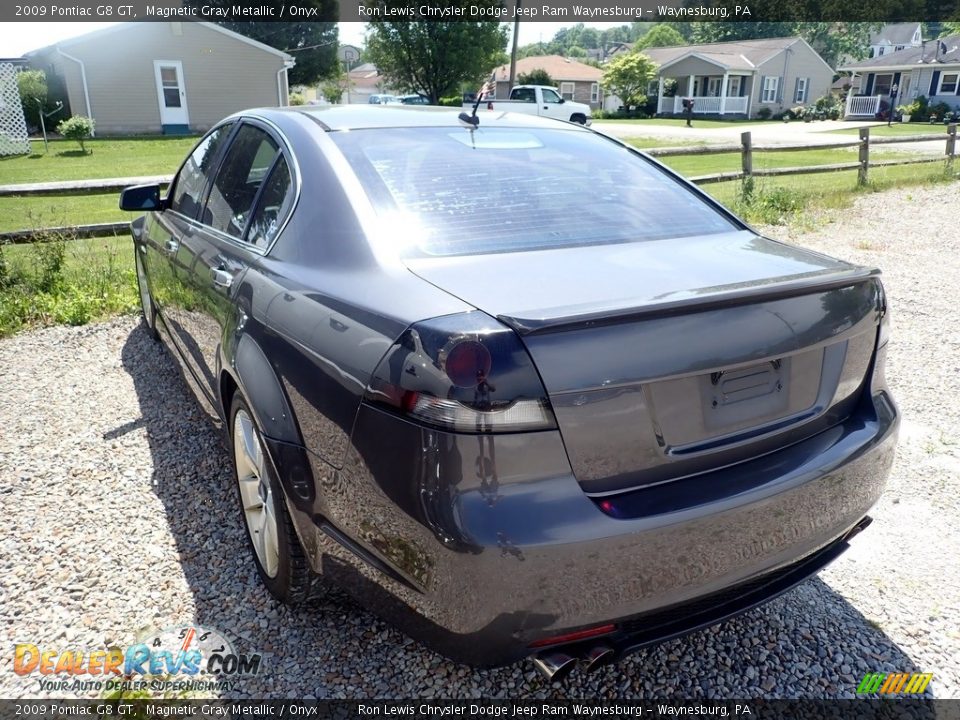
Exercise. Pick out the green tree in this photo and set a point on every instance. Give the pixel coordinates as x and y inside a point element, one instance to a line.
<point>435,57</point>
<point>949,28</point>
<point>537,76</point>
<point>627,76</point>
<point>32,85</point>
<point>661,35</point>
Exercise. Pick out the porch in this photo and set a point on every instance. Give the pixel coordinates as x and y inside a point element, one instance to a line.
<point>862,106</point>
<point>726,94</point>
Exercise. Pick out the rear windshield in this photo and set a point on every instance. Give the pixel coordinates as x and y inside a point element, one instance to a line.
<point>450,191</point>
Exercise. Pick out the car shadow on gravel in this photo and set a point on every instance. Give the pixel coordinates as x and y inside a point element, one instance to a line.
<point>809,643</point>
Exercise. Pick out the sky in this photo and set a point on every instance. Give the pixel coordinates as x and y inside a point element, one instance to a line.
<point>17,38</point>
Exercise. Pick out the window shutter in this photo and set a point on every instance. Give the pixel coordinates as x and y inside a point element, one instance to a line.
<point>934,81</point>
<point>780,89</point>
<point>869,88</point>
<point>796,89</point>
<point>763,86</point>
<point>896,81</point>
<point>806,89</point>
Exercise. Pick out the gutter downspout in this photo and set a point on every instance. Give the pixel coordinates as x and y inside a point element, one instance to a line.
<point>83,79</point>
<point>283,71</point>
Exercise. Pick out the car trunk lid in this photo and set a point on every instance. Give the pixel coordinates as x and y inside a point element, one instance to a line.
<point>666,359</point>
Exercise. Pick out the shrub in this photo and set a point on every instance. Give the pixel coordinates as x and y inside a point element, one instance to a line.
<point>32,85</point>
<point>452,101</point>
<point>77,128</point>
<point>764,113</point>
<point>297,99</point>
<point>537,76</point>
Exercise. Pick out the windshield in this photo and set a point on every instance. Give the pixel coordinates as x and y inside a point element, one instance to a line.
<point>450,191</point>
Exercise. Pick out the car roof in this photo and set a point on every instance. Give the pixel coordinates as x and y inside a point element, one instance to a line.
<point>364,117</point>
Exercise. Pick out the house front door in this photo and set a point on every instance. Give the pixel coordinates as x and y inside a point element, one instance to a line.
<point>713,87</point>
<point>171,95</point>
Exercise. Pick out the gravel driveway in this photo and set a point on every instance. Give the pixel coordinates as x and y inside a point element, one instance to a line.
<point>120,515</point>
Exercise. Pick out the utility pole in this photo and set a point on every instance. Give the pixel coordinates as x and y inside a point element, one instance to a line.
<point>513,55</point>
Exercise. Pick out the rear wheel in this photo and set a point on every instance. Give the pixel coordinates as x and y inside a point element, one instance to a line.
<point>579,119</point>
<point>276,550</point>
<point>146,302</point>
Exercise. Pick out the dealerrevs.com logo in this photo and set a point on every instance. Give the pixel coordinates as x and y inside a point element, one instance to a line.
<point>183,658</point>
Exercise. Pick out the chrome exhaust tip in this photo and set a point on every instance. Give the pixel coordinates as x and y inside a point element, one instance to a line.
<point>554,666</point>
<point>598,656</point>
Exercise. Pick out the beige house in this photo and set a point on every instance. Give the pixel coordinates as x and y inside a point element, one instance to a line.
<point>576,81</point>
<point>739,78</point>
<point>164,77</point>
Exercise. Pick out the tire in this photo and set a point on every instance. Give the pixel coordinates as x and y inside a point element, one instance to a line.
<point>146,301</point>
<point>579,119</point>
<point>283,567</point>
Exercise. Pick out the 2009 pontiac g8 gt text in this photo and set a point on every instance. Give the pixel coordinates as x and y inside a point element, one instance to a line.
<point>518,388</point>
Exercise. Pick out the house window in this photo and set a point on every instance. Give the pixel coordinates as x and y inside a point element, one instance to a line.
<point>653,88</point>
<point>769,91</point>
<point>566,90</point>
<point>948,84</point>
<point>882,48</point>
<point>898,48</point>
<point>800,95</point>
<point>733,86</point>
<point>595,92</point>
<point>882,83</point>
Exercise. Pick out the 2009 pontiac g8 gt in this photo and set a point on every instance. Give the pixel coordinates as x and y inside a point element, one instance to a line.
<point>517,387</point>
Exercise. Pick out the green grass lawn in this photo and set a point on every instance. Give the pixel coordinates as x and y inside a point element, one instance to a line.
<point>24,213</point>
<point>127,157</point>
<point>646,143</point>
<point>897,129</point>
<point>678,122</point>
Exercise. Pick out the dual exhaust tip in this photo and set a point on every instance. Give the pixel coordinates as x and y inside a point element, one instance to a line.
<point>556,665</point>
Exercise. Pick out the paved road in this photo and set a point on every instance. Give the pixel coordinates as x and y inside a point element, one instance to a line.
<point>771,133</point>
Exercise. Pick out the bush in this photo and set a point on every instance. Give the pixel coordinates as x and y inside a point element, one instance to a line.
<point>77,128</point>
<point>32,85</point>
<point>297,99</point>
<point>537,76</point>
<point>764,113</point>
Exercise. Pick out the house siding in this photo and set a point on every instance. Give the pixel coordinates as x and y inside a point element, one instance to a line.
<point>221,75</point>
<point>922,79</point>
<point>801,61</point>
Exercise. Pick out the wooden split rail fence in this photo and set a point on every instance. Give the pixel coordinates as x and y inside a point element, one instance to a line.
<point>745,147</point>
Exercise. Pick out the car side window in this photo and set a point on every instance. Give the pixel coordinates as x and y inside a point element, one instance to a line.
<point>525,95</point>
<point>187,193</point>
<point>235,187</point>
<point>550,96</point>
<point>275,204</point>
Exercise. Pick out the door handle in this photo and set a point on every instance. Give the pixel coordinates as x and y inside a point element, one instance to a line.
<point>221,278</point>
<point>171,246</point>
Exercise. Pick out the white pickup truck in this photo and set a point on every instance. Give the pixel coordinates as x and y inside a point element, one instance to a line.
<point>538,100</point>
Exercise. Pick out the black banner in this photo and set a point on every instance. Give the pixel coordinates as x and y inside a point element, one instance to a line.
<point>573,11</point>
<point>885,709</point>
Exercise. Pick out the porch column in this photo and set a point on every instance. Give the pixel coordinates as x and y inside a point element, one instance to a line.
<point>659,93</point>
<point>690,85</point>
<point>723,92</point>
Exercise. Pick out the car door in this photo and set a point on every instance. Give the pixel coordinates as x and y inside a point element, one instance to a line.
<point>551,105</point>
<point>245,205</point>
<point>165,229</point>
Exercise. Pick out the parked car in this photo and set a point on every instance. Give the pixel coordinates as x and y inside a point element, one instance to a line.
<point>520,389</point>
<point>414,100</point>
<point>383,100</point>
<point>537,100</point>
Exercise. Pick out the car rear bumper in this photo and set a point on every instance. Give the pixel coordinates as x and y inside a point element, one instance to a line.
<point>481,546</point>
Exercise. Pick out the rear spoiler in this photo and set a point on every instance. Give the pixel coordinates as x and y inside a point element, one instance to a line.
<point>724,296</point>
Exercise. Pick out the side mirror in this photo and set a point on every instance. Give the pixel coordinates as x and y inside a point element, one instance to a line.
<point>562,100</point>
<point>140,197</point>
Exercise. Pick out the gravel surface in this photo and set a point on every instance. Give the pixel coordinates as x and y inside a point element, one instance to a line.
<point>120,516</point>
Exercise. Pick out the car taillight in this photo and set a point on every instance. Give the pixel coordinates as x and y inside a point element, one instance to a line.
<point>464,373</point>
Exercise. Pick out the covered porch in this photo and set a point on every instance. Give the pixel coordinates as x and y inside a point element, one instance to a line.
<point>881,91</point>
<point>714,88</point>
